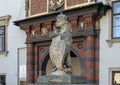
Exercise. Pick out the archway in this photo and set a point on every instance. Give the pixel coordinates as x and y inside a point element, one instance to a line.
<point>77,64</point>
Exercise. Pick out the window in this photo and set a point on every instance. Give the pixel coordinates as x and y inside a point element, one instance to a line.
<point>4,22</point>
<point>116,20</point>
<point>115,27</point>
<point>2,38</point>
<point>2,80</point>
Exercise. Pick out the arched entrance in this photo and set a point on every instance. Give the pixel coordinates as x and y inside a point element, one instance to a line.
<point>77,63</point>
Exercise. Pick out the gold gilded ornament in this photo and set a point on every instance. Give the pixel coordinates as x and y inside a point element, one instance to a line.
<point>44,31</point>
<point>33,32</point>
<point>55,4</point>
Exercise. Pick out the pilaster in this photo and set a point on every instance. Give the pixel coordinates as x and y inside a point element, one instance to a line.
<point>89,61</point>
<point>30,63</point>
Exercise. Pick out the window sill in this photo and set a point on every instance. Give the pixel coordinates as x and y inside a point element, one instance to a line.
<point>4,53</point>
<point>111,41</point>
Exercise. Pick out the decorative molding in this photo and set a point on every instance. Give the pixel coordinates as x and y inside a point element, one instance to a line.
<point>111,41</point>
<point>81,25</point>
<point>4,53</point>
<point>79,5</point>
<point>97,24</point>
<point>4,20</point>
<point>44,31</point>
<point>98,8</point>
<point>77,36</point>
<point>27,7</point>
<point>33,32</point>
<point>55,5</point>
<point>80,46</point>
<point>42,49</point>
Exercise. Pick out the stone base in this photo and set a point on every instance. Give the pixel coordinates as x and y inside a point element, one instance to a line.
<point>62,84</point>
<point>60,72</point>
<point>61,79</point>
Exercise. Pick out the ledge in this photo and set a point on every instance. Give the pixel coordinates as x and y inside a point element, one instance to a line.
<point>77,36</point>
<point>111,41</point>
<point>61,84</point>
<point>4,53</point>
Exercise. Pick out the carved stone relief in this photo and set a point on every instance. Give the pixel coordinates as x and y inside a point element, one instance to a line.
<point>44,31</point>
<point>55,5</point>
<point>97,24</point>
<point>33,32</point>
<point>4,20</point>
<point>81,24</point>
<point>27,7</point>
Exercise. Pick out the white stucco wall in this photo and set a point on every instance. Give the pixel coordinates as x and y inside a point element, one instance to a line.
<point>15,39</point>
<point>104,1</point>
<point>109,56</point>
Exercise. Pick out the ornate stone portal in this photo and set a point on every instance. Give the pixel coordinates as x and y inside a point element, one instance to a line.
<point>59,52</point>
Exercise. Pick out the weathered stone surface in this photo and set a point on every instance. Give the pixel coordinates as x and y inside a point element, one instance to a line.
<point>61,79</point>
<point>61,84</point>
<point>60,46</point>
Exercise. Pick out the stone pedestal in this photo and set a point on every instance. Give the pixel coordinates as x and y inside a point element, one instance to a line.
<point>62,84</point>
<point>61,79</point>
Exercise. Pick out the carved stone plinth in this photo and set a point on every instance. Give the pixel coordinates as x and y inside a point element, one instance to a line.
<point>62,84</point>
<point>61,79</point>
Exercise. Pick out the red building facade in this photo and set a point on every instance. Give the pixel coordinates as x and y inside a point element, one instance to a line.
<point>84,19</point>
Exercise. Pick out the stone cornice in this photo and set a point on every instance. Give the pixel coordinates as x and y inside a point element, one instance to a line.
<point>4,20</point>
<point>77,36</point>
<point>97,8</point>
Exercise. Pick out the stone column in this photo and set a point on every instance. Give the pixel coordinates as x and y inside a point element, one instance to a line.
<point>36,63</point>
<point>89,60</point>
<point>30,57</point>
<point>30,64</point>
<point>97,60</point>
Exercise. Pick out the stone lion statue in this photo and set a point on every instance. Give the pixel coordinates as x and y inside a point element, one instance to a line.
<point>60,46</point>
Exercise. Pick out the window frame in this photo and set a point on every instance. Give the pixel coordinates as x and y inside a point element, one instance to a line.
<point>4,49</point>
<point>113,15</point>
<point>111,40</point>
<point>4,21</point>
